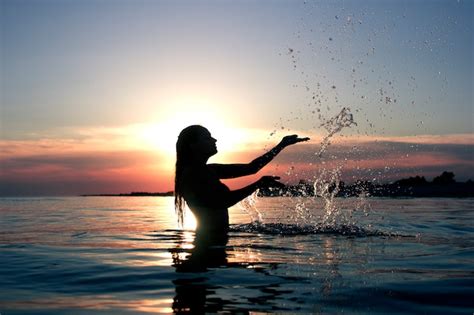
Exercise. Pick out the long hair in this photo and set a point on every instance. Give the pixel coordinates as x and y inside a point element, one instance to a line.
<point>184,157</point>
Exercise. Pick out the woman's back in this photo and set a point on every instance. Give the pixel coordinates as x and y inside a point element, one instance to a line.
<point>204,194</point>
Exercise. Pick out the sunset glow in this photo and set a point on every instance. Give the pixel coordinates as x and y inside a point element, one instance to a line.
<point>103,101</point>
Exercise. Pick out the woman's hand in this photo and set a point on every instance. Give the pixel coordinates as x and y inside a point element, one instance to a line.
<point>289,140</point>
<point>269,181</point>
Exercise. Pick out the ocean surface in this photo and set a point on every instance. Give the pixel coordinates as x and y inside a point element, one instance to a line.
<point>126,255</point>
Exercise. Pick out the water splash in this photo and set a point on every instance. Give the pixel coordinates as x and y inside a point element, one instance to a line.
<point>326,183</point>
<point>249,205</point>
<point>326,186</point>
<point>334,125</point>
<point>294,229</point>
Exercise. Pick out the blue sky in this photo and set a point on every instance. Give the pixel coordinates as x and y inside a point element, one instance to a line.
<point>90,62</point>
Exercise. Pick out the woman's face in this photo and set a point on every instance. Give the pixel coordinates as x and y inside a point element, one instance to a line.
<point>205,145</point>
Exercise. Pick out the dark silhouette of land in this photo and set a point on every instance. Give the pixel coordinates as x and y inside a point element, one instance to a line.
<point>133,194</point>
<point>443,185</point>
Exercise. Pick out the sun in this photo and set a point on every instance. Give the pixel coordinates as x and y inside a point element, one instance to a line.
<point>161,135</point>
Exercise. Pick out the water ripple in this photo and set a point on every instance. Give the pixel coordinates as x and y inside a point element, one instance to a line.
<point>294,229</point>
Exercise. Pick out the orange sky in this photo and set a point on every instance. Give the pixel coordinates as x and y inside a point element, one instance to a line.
<point>117,161</point>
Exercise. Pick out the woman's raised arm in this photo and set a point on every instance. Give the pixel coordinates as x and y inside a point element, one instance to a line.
<point>224,171</point>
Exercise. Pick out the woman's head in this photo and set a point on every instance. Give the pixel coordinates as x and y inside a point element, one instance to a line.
<point>195,145</point>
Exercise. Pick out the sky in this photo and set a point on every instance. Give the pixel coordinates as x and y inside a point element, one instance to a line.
<point>93,93</point>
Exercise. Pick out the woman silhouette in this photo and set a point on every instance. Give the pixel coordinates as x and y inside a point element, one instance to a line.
<point>198,184</point>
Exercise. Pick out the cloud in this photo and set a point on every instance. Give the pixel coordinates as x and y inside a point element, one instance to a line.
<point>383,158</point>
<point>115,160</point>
<point>77,163</point>
<point>108,172</point>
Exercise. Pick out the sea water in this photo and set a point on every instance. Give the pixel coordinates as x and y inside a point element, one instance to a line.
<point>122,255</point>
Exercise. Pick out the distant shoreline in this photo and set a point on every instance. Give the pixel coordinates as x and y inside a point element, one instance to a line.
<point>442,186</point>
<point>133,194</point>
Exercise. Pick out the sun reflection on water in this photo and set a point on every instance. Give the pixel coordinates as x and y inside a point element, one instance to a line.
<point>99,303</point>
<point>190,222</point>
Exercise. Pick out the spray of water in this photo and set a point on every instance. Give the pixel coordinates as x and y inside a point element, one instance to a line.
<point>334,125</point>
<point>250,207</point>
<point>350,76</point>
<point>326,184</point>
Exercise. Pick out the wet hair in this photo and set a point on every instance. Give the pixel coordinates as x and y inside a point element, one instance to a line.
<point>184,157</point>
